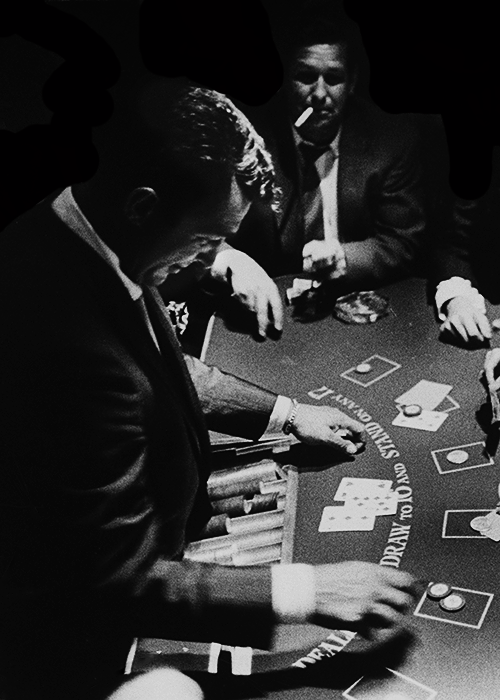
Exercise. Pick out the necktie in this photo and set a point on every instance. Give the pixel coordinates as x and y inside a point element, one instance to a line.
<point>312,202</point>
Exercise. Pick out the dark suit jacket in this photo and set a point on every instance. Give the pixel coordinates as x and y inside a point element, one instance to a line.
<point>470,247</point>
<point>380,210</point>
<point>104,456</point>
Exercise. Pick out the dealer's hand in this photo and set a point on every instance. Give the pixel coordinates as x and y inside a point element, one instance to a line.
<point>325,425</point>
<point>363,597</point>
<point>466,321</point>
<point>252,286</point>
<point>324,258</point>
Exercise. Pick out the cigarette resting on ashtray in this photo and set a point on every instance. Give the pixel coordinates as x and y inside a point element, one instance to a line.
<point>304,116</point>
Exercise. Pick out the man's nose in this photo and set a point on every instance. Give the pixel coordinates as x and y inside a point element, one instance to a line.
<point>319,92</point>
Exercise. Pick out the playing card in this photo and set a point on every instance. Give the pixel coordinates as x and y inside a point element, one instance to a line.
<point>352,486</point>
<point>448,404</point>
<point>343,519</point>
<point>426,394</point>
<point>427,420</point>
<point>389,686</point>
<point>385,504</point>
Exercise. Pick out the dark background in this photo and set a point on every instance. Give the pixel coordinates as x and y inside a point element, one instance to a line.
<point>59,59</point>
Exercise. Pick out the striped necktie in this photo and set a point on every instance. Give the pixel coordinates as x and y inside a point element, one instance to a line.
<point>312,202</point>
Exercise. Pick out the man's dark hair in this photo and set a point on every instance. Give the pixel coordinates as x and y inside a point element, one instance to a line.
<point>321,29</point>
<point>186,143</point>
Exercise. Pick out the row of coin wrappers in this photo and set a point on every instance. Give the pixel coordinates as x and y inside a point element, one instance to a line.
<point>246,528</point>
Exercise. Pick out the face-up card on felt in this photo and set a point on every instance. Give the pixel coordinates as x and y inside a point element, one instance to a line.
<point>427,420</point>
<point>343,519</point>
<point>426,394</point>
<point>385,504</point>
<point>353,486</point>
<point>390,686</point>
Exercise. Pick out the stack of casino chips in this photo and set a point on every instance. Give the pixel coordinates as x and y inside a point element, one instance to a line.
<point>246,528</point>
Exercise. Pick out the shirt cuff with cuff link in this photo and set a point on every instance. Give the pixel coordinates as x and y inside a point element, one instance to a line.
<point>454,287</point>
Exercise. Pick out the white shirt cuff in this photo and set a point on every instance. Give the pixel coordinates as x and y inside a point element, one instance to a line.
<point>454,287</point>
<point>293,592</point>
<point>280,413</point>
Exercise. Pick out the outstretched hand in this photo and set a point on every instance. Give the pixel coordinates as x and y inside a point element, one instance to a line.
<point>325,425</point>
<point>252,286</point>
<point>465,321</point>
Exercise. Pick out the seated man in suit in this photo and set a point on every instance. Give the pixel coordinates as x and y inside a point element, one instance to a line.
<point>104,448</point>
<point>465,264</point>
<point>352,204</point>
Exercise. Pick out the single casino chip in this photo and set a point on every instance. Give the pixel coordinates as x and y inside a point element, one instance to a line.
<point>412,410</point>
<point>452,603</point>
<point>480,524</point>
<point>436,591</point>
<point>363,368</point>
<point>457,456</point>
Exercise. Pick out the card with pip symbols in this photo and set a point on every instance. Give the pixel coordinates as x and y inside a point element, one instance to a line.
<point>426,420</point>
<point>428,395</point>
<point>354,486</point>
<point>385,503</point>
<point>371,370</point>
<point>389,685</point>
<point>344,519</point>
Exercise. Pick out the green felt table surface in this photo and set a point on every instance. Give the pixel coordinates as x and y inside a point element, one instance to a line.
<point>458,661</point>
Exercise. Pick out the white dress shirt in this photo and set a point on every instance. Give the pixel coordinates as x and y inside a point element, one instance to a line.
<point>327,167</point>
<point>454,287</point>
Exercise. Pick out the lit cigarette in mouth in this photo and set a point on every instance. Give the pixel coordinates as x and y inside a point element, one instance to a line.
<point>304,116</point>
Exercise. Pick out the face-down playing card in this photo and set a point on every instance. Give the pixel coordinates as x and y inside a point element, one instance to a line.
<point>390,685</point>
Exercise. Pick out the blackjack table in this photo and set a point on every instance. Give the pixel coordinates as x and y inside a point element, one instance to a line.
<point>444,478</point>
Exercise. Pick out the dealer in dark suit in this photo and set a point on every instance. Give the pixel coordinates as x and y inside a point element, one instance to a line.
<point>465,264</point>
<point>104,451</point>
<point>350,175</point>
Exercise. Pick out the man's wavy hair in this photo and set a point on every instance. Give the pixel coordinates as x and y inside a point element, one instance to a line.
<point>206,127</point>
<point>187,143</point>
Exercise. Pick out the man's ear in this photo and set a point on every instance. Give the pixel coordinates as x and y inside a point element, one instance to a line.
<point>140,204</point>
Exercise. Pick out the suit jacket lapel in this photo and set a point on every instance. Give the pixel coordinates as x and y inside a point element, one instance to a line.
<point>172,353</point>
<point>125,317</point>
